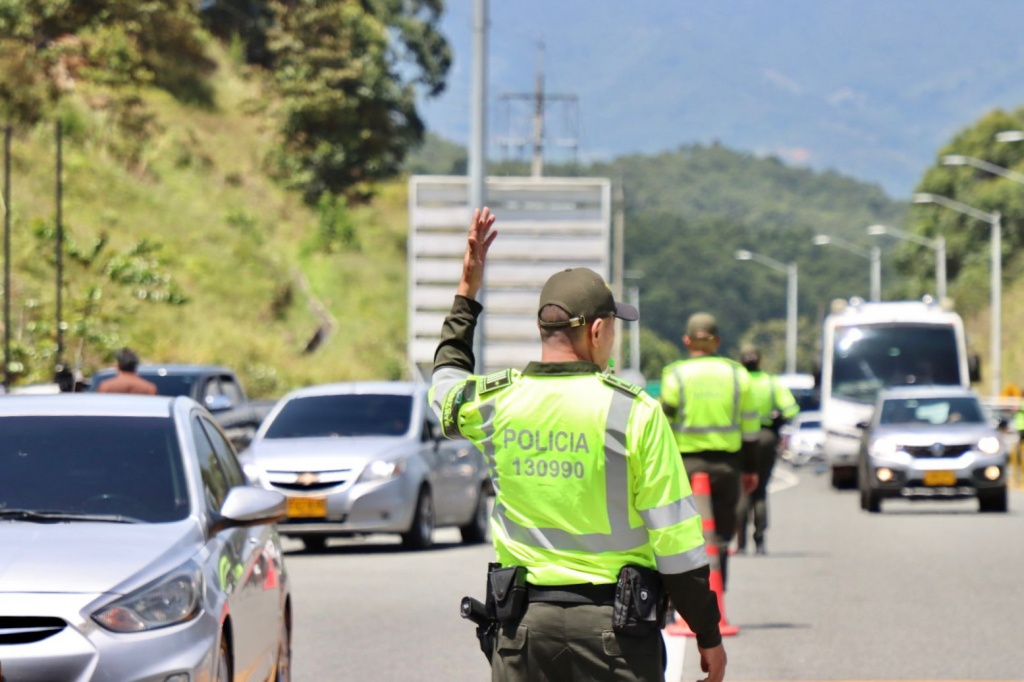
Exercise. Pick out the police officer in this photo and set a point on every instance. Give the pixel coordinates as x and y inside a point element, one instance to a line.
<point>587,481</point>
<point>708,401</point>
<point>775,406</point>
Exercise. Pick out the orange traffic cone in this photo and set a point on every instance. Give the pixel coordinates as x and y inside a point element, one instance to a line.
<point>701,485</point>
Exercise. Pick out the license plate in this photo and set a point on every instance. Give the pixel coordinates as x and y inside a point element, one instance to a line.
<point>940,478</point>
<point>307,507</point>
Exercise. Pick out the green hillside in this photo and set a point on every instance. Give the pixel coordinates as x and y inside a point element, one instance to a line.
<point>260,271</point>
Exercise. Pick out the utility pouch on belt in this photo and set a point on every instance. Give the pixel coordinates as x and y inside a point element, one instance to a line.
<point>507,588</point>
<point>640,602</point>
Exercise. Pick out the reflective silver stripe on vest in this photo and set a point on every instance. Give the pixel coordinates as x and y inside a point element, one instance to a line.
<point>669,514</point>
<point>681,409</point>
<point>558,539</point>
<point>736,395</point>
<point>622,538</point>
<point>680,563</point>
<point>487,426</point>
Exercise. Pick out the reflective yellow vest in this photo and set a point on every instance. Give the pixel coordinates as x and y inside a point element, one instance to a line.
<point>586,475</point>
<point>713,404</point>
<point>771,398</point>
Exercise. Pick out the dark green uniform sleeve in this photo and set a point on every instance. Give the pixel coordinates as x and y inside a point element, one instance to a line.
<point>697,603</point>
<point>456,346</point>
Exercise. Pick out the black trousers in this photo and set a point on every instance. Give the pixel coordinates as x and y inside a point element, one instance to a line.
<point>755,505</point>
<point>568,642</point>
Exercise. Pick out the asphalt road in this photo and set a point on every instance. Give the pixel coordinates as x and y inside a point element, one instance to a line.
<point>922,591</point>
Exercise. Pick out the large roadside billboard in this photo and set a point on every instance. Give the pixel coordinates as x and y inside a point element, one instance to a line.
<point>545,225</point>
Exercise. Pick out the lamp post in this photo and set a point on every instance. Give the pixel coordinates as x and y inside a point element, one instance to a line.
<point>874,256</point>
<point>790,270</point>
<point>938,245</point>
<point>981,164</point>
<point>994,219</point>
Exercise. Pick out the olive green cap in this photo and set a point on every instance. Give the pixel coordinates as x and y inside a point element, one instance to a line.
<point>749,353</point>
<point>583,294</point>
<point>702,326</point>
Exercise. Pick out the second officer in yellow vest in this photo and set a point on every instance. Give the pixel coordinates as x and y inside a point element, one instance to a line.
<point>708,401</point>
<point>589,490</point>
<point>775,405</point>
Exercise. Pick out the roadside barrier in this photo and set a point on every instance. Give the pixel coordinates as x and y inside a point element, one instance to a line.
<point>700,483</point>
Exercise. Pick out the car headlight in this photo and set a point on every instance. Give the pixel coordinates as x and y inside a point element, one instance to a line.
<point>382,470</point>
<point>253,474</point>
<point>174,598</point>
<point>990,445</point>
<point>884,447</point>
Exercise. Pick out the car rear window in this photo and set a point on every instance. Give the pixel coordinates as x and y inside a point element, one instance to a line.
<point>329,416</point>
<point>93,465</point>
<point>932,411</point>
<point>810,425</point>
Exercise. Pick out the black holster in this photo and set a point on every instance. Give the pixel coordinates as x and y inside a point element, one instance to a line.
<point>640,602</point>
<point>504,604</point>
<point>506,590</point>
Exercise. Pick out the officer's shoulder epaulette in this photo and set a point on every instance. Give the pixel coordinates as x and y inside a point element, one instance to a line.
<point>622,384</point>
<point>494,381</point>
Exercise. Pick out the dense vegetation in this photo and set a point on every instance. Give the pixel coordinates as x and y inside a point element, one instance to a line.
<point>214,212</point>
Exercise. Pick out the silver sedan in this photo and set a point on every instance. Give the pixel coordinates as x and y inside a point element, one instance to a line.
<point>133,547</point>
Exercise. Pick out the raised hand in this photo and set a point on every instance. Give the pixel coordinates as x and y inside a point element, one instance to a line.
<point>481,236</point>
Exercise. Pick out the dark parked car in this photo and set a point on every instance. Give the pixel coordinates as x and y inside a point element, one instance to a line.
<point>215,387</point>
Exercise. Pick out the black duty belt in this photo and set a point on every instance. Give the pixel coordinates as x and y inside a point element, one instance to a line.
<point>584,593</point>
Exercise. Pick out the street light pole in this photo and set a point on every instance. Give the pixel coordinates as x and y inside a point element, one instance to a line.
<point>873,255</point>
<point>938,245</point>
<point>994,220</point>
<point>790,270</point>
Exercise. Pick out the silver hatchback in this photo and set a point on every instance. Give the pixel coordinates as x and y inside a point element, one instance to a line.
<point>932,442</point>
<point>368,457</point>
<point>133,548</point>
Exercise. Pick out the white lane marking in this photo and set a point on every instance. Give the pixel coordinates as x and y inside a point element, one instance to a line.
<point>675,652</point>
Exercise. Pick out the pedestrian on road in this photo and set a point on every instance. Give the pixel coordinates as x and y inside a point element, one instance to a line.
<point>126,380</point>
<point>708,400</point>
<point>593,513</point>
<point>775,406</point>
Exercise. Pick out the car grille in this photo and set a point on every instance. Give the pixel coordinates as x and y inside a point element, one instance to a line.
<point>28,629</point>
<point>936,450</point>
<point>308,482</point>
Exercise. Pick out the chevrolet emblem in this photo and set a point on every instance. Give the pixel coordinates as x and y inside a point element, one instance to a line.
<point>308,479</point>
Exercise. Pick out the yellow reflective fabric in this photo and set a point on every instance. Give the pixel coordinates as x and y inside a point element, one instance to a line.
<point>714,408</point>
<point>587,479</point>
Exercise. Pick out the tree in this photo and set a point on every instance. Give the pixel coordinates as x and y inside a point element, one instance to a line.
<point>348,73</point>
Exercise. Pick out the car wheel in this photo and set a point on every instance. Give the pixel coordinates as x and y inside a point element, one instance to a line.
<point>223,671</point>
<point>314,543</point>
<point>283,672</point>
<point>992,500</point>
<point>475,531</point>
<point>421,533</point>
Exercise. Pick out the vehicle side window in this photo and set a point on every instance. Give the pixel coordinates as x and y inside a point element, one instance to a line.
<point>225,455</point>
<point>231,389</point>
<point>215,481</point>
<point>211,387</point>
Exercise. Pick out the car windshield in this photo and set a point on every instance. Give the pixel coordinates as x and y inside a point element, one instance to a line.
<point>166,384</point>
<point>810,425</point>
<point>931,411</point>
<point>121,468</point>
<point>868,358</point>
<point>329,416</point>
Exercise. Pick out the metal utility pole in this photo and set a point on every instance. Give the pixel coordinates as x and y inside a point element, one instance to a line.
<point>60,246</point>
<point>7,258</point>
<point>477,147</point>
<point>539,100</point>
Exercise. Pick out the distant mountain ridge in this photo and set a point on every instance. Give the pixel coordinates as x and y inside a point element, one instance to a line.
<point>869,88</point>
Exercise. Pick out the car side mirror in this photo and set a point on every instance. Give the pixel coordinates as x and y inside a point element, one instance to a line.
<point>974,367</point>
<point>863,426</point>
